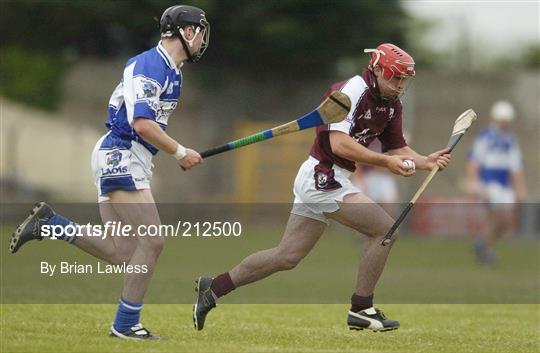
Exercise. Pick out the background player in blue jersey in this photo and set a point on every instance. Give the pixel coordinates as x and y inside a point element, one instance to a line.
<point>494,173</point>
<point>139,109</point>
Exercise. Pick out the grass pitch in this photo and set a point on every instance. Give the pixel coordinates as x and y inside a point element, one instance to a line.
<point>422,278</point>
<point>275,328</point>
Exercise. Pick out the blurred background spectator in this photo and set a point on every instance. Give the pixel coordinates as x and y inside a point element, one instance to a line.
<point>495,177</point>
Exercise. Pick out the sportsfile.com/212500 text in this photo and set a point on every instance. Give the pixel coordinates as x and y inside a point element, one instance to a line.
<point>119,229</point>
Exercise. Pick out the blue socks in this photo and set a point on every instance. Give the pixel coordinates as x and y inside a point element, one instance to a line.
<point>127,315</point>
<point>61,229</point>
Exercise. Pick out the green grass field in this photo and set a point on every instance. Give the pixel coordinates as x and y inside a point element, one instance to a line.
<point>275,328</point>
<point>443,299</point>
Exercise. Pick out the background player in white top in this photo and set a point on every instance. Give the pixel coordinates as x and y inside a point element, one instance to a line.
<point>139,110</point>
<point>495,175</point>
<point>324,191</point>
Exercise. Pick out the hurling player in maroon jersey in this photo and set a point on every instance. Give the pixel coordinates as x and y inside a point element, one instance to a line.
<point>324,191</point>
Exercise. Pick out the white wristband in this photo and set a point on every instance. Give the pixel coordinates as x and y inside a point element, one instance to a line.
<point>180,152</point>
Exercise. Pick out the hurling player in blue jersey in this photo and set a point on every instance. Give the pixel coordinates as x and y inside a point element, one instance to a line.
<point>495,175</point>
<point>139,109</point>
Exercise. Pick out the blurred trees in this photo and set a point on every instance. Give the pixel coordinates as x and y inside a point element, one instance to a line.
<point>531,58</point>
<point>299,36</point>
<point>31,77</point>
<point>249,37</point>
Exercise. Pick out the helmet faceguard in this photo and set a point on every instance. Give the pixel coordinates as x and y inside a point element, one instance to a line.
<point>397,68</point>
<point>204,29</point>
<point>174,21</point>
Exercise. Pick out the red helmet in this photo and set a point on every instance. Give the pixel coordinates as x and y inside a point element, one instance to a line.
<point>393,60</point>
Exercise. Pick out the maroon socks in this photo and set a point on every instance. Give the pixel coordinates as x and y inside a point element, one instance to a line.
<point>222,285</point>
<point>359,303</point>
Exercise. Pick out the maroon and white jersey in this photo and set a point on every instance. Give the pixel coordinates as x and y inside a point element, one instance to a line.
<point>370,117</point>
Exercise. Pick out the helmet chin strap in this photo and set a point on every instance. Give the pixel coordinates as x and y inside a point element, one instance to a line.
<point>188,43</point>
<point>377,89</point>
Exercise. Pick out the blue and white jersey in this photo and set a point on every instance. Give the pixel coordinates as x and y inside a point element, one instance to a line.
<point>498,155</point>
<point>149,89</point>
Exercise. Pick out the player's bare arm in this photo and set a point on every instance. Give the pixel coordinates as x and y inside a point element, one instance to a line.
<point>472,184</point>
<point>518,181</point>
<point>440,158</point>
<point>346,147</point>
<point>152,132</point>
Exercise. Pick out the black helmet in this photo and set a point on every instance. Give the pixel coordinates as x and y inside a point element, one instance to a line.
<point>176,18</point>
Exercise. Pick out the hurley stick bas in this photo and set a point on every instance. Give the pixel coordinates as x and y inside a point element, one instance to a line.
<point>332,110</point>
<point>463,122</point>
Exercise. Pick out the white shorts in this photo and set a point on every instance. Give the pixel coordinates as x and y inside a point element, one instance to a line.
<point>499,197</point>
<point>118,164</point>
<point>318,189</point>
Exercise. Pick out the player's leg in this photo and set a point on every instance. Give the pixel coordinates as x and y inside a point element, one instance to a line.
<point>301,235</point>
<point>129,207</point>
<point>43,215</point>
<point>136,208</point>
<point>359,212</point>
<point>499,220</point>
<point>494,226</point>
<point>492,231</point>
<point>506,217</point>
<point>139,210</point>
<point>114,250</point>
<point>124,207</point>
<point>362,214</point>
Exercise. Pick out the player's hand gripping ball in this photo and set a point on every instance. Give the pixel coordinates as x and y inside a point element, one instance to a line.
<point>409,165</point>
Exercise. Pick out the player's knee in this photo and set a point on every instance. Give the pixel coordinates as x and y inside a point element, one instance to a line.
<point>288,264</point>
<point>394,238</point>
<point>157,246</point>
<point>377,229</point>
<point>153,246</point>
<point>288,261</point>
<point>121,255</point>
<point>382,229</point>
<point>124,255</point>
